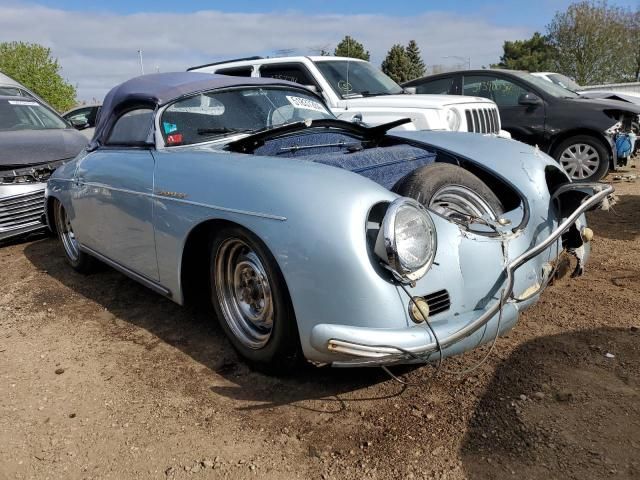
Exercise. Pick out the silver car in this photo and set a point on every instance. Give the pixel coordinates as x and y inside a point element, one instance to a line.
<point>34,140</point>
<point>314,237</point>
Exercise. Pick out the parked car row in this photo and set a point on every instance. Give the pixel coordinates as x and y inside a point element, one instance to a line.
<point>315,237</point>
<point>326,212</point>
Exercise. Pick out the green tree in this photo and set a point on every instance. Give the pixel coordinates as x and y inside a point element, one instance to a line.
<point>417,67</point>
<point>535,54</point>
<point>593,41</point>
<point>33,66</point>
<point>397,64</point>
<point>349,47</point>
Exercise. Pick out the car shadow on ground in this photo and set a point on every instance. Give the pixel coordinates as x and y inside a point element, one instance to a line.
<point>568,403</point>
<point>621,222</point>
<point>195,332</point>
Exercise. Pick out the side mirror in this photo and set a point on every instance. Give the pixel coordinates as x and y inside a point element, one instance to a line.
<point>410,90</point>
<point>529,99</point>
<point>79,123</point>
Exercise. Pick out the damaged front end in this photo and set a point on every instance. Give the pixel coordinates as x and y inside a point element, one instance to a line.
<point>513,289</point>
<point>623,137</point>
<point>22,198</point>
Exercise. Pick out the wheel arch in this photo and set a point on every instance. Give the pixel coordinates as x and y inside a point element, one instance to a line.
<point>49,213</point>
<point>194,273</point>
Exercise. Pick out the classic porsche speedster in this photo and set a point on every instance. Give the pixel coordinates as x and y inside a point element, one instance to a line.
<point>315,237</point>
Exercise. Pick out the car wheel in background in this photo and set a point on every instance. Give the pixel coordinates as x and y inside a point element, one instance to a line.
<point>251,301</point>
<point>583,157</point>
<point>451,191</point>
<point>79,260</point>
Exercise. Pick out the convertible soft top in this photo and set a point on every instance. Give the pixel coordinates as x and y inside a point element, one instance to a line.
<point>158,89</point>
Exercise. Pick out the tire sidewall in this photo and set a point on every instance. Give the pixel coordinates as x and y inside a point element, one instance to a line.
<point>603,153</point>
<point>282,348</point>
<point>423,183</point>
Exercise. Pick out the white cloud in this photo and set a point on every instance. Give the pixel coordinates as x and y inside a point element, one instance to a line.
<point>99,50</point>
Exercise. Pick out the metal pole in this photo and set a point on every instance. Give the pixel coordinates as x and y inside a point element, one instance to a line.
<point>141,65</point>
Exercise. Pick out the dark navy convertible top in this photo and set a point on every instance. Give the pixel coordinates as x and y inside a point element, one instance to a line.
<point>158,89</point>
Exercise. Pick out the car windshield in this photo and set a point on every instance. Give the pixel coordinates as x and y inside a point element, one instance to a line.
<point>355,79</point>
<point>564,81</point>
<point>208,115</point>
<point>548,87</point>
<point>27,114</point>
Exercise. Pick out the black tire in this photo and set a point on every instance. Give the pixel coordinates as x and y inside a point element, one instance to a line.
<point>593,146</point>
<point>281,352</point>
<point>80,261</point>
<point>426,182</point>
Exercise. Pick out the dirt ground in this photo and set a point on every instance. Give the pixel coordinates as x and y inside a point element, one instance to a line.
<point>101,378</point>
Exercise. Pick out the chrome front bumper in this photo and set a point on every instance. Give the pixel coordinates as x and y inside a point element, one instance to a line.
<point>369,346</point>
<point>21,209</point>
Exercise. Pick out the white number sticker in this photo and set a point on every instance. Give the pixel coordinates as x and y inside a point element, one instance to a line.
<point>306,104</point>
<point>22,102</point>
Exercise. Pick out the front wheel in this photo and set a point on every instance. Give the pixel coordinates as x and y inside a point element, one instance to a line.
<point>584,158</point>
<point>252,302</point>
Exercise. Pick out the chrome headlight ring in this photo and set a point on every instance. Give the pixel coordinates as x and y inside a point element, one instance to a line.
<point>407,241</point>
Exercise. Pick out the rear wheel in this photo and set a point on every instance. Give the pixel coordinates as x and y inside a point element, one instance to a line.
<point>451,191</point>
<point>79,260</point>
<point>583,157</point>
<point>252,302</point>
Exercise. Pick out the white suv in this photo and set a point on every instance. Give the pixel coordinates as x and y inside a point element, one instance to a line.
<point>355,88</point>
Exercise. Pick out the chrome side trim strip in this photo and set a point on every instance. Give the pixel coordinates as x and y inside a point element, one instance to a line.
<point>147,282</point>
<point>189,202</point>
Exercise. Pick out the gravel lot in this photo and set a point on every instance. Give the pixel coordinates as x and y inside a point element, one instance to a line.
<point>101,378</point>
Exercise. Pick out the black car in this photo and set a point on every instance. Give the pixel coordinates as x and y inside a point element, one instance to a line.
<point>34,141</point>
<point>580,133</point>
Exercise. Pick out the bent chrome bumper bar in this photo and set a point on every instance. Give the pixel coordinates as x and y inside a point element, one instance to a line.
<point>423,344</point>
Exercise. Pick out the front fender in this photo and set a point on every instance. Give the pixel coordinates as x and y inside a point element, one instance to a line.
<point>312,217</point>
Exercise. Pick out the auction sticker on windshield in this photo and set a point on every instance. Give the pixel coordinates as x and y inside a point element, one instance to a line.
<point>306,104</point>
<point>22,102</point>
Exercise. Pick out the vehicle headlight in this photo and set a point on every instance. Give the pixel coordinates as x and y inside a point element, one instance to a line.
<point>407,240</point>
<point>453,119</point>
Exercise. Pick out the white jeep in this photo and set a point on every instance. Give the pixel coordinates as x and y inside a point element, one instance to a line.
<point>355,89</point>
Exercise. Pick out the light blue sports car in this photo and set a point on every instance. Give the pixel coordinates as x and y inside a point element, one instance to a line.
<point>314,237</point>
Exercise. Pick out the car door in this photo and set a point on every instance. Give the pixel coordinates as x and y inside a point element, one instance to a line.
<point>113,201</point>
<point>525,122</point>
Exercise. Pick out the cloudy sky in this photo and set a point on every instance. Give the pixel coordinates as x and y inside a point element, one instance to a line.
<point>97,42</point>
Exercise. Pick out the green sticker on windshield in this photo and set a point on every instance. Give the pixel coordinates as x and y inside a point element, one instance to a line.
<point>169,127</point>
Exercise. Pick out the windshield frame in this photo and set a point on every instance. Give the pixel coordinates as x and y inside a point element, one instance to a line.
<point>377,74</point>
<point>226,138</point>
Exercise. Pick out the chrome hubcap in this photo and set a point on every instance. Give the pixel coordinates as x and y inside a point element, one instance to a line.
<point>458,202</point>
<point>580,160</point>
<point>244,293</point>
<point>69,242</point>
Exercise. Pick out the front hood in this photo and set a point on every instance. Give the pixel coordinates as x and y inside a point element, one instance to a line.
<point>416,101</point>
<point>618,96</point>
<point>519,164</point>
<point>605,104</point>
<point>33,147</point>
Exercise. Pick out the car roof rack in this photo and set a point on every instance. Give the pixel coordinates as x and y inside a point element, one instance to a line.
<point>224,61</point>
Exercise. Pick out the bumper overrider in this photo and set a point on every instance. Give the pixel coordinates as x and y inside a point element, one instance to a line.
<point>361,346</point>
